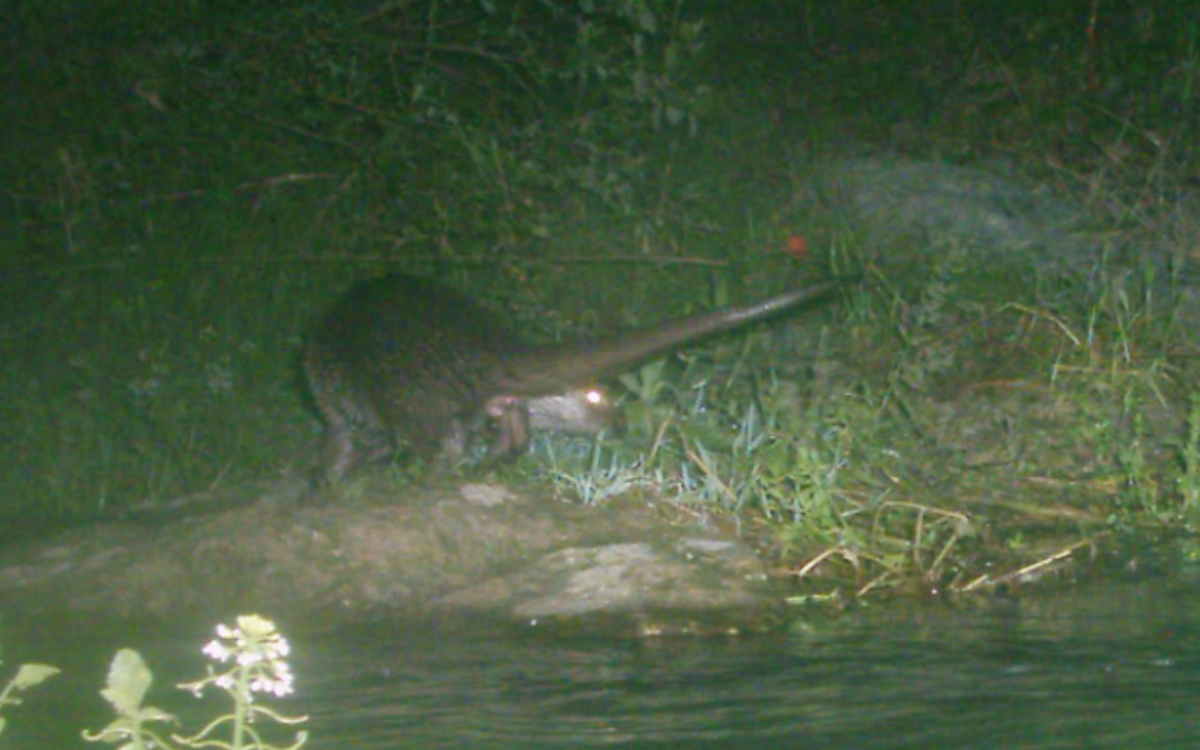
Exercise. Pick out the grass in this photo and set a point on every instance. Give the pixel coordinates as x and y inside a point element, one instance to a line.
<point>192,187</point>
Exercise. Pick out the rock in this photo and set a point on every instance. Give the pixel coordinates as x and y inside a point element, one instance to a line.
<point>682,586</point>
<point>476,551</point>
<point>984,212</point>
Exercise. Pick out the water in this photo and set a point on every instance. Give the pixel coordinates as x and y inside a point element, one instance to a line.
<point>1116,666</point>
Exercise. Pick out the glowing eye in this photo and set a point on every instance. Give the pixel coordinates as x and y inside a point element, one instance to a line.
<point>594,397</point>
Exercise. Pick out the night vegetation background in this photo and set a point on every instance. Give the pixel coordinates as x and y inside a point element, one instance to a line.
<point>188,185</point>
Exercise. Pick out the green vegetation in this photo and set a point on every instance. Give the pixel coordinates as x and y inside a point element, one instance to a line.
<point>1014,379</point>
<point>258,655</point>
<point>29,675</point>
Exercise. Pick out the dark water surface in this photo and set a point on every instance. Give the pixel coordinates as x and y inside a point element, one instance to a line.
<point>1113,666</point>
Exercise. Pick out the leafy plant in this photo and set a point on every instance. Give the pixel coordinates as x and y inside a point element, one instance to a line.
<point>256,653</point>
<point>129,680</point>
<point>29,675</point>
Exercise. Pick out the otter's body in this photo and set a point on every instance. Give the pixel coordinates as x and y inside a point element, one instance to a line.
<point>406,360</point>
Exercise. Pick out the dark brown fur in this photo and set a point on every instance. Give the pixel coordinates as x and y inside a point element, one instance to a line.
<point>402,359</point>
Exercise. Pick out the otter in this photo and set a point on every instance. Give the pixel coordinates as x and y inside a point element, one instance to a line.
<point>405,360</point>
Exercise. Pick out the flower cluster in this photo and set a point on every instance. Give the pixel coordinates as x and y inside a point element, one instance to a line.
<point>258,651</point>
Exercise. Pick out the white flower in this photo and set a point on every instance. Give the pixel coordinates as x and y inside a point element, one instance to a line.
<point>259,649</point>
<point>248,658</point>
<point>217,651</point>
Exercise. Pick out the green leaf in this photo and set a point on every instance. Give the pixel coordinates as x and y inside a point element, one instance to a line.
<point>33,674</point>
<point>150,713</point>
<point>128,680</point>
